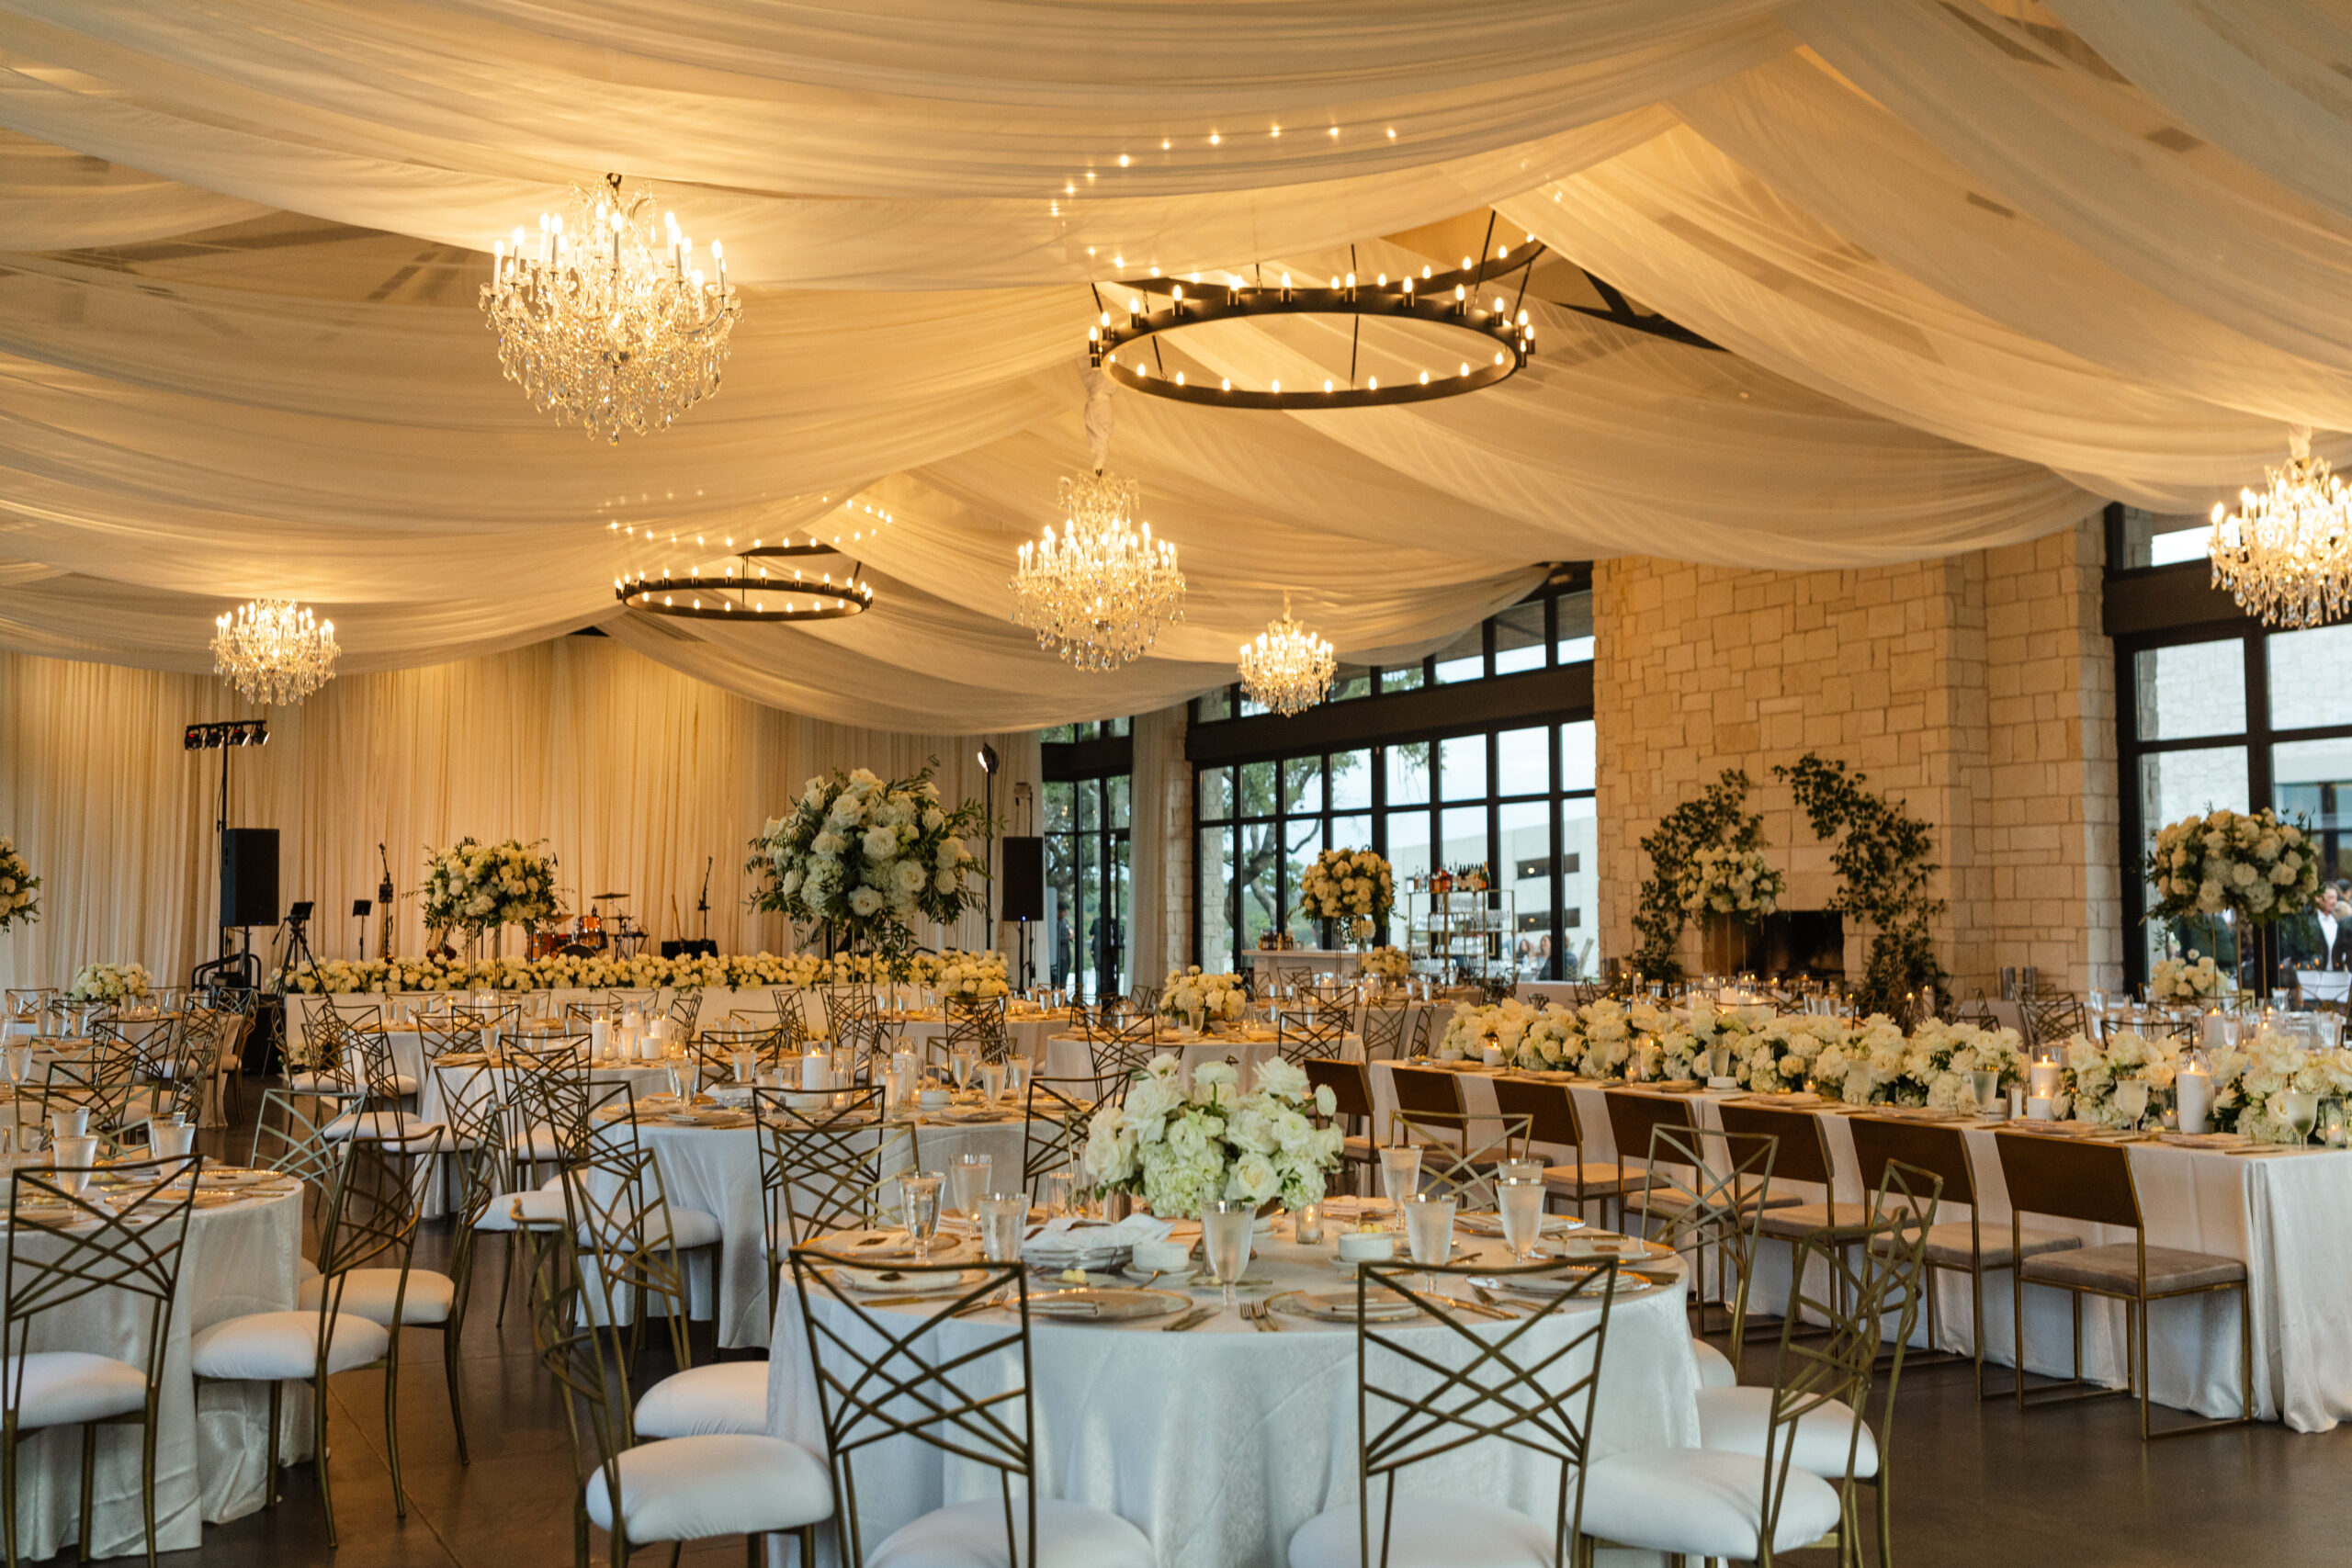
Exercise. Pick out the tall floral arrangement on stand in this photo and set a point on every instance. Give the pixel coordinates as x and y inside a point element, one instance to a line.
<point>1178,1148</point>
<point>1197,997</point>
<point>2251,866</point>
<point>17,885</point>
<point>863,858</point>
<point>981,974</point>
<point>2188,979</point>
<point>1354,887</point>
<point>472,887</point>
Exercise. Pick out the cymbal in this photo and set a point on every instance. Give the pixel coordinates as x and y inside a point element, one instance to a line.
<point>607,898</point>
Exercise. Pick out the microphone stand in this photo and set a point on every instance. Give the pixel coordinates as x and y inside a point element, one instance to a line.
<point>703,904</point>
<point>384,898</point>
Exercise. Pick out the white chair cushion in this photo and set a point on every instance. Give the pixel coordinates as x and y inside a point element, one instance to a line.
<point>538,1144</point>
<point>393,1126</point>
<point>367,1292</point>
<point>971,1535</point>
<point>1701,1503</point>
<point>726,1396</point>
<point>693,1488</point>
<point>541,1206</point>
<point>1426,1532</point>
<point>1715,1369</point>
<point>1735,1419</point>
<point>689,1228</point>
<point>273,1346</point>
<point>320,1083</point>
<point>62,1387</point>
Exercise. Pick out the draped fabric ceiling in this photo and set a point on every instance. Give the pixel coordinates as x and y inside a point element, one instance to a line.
<point>1979,264</point>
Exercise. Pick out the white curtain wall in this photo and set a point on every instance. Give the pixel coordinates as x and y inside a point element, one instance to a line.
<point>632,773</point>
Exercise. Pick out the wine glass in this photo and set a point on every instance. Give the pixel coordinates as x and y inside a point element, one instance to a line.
<point>2131,1099</point>
<point>1521,1202</point>
<point>1225,1242</point>
<point>1987,1083</point>
<point>2298,1108</point>
<point>1428,1231</point>
<point>967,1180</point>
<point>919,1203</point>
<point>1400,1174</point>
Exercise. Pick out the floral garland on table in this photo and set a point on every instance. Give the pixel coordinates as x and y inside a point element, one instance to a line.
<point>1722,880</point>
<point>109,983</point>
<point>1178,1148</point>
<point>2184,980</point>
<point>472,887</point>
<point>1390,965</point>
<point>978,975</point>
<point>558,972</point>
<point>1187,992</point>
<point>17,885</point>
<point>1354,886</point>
<point>863,858</point>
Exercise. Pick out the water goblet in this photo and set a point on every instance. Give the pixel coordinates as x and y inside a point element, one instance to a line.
<point>1016,1075</point>
<point>2298,1108</point>
<point>2131,1099</point>
<point>961,1064</point>
<point>1428,1231</point>
<point>919,1207</point>
<point>73,1158</point>
<point>747,1065</point>
<point>1225,1241</point>
<point>1521,1202</point>
<point>1003,1217</point>
<point>1987,1085</point>
<point>1400,1174</point>
<point>1055,1190</point>
<point>968,1180</point>
<point>992,1080</point>
<point>71,1124</point>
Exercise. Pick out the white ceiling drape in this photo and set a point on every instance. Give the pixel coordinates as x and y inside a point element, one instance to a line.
<point>1979,264</point>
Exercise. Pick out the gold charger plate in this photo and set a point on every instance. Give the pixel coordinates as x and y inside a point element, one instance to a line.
<point>1108,1304</point>
<point>1340,1306</point>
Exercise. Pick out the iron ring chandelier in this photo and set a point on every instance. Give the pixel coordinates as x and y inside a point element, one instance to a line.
<point>756,593</point>
<point>1452,301</point>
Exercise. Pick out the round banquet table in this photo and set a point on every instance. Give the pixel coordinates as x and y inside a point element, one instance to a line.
<point>1221,1441</point>
<point>717,1171</point>
<point>211,1445</point>
<point>1068,1056</point>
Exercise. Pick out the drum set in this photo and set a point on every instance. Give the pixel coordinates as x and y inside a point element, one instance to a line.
<point>593,932</point>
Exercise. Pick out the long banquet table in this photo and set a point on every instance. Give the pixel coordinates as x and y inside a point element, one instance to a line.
<point>2284,1215</point>
<point>1220,1442</point>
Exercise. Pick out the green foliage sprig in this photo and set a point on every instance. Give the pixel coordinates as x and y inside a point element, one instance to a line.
<point>1719,816</point>
<point>1883,877</point>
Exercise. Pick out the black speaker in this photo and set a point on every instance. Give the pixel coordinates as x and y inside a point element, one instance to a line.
<point>249,877</point>
<point>1022,883</point>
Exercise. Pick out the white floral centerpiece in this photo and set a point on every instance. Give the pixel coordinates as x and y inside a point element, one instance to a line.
<point>1859,1066</point>
<point>17,885</point>
<point>2090,1069</point>
<point>1354,887</point>
<point>2184,979</point>
<point>1776,1057</point>
<point>1196,997</point>
<point>1940,1056</point>
<point>1178,1148</point>
<point>473,887</point>
<point>2249,1078</point>
<point>863,857</point>
<point>1721,880</point>
<point>981,974</point>
<point>1390,965</point>
<point>109,983</point>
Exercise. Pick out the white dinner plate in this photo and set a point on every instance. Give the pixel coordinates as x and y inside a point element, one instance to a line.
<point>1626,1248</point>
<point>1492,1224</point>
<point>1116,1303</point>
<point>1340,1306</point>
<point>885,1246</point>
<point>899,1283</point>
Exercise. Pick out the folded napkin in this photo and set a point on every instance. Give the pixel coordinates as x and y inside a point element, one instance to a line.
<point>1092,1233</point>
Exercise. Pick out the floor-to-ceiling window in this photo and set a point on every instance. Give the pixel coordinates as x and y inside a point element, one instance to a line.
<point>1480,754</point>
<point>1086,824</point>
<point>2216,710</point>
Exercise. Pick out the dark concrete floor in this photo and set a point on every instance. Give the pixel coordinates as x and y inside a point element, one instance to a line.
<point>1974,1484</point>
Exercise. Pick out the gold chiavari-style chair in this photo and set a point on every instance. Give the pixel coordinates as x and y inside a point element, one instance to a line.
<point>824,1169</point>
<point>684,1010</point>
<point>462,1033</point>
<point>1702,1191</point>
<point>1443,1382</point>
<point>65,1244</point>
<point>370,1224</point>
<point>1384,1032</point>
<point>2094,1183</point>
<point>2052,1018</point>
<point>714,1050</point>
<point>1802,1155</point>
<point>1423,1020</point>
<point>1450,1162</point>
<point>621,1000</point>
<point>1120,1048</point>
<point>1057,1113</point>
<point>380,1113</point>
<point>977,1024</point>
<point>885,1375</point>
<point>671,1488</point>
<point>499,1020</point>
<point>473,1098</point>
<point>173,1088</point>
<point>1299,1037</point>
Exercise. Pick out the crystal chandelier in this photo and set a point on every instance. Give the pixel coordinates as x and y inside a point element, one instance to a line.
<point>1287,667</point>
<point>1098,593</point>
<point>606,321</point>
<point>2286,554</point>
<point>274,653</point>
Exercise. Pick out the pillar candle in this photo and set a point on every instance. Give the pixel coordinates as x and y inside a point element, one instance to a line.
<point>2045,1080</point>
<point>2194,1088</point>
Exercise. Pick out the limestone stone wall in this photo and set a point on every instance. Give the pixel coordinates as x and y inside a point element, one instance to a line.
<point>1976,687</point>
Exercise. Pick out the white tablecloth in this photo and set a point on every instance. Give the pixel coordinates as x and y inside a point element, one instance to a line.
<point>2287,1218</point>
<point>210,1447</point>
<point>718,1171</point>
<point>1220,1442</point>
